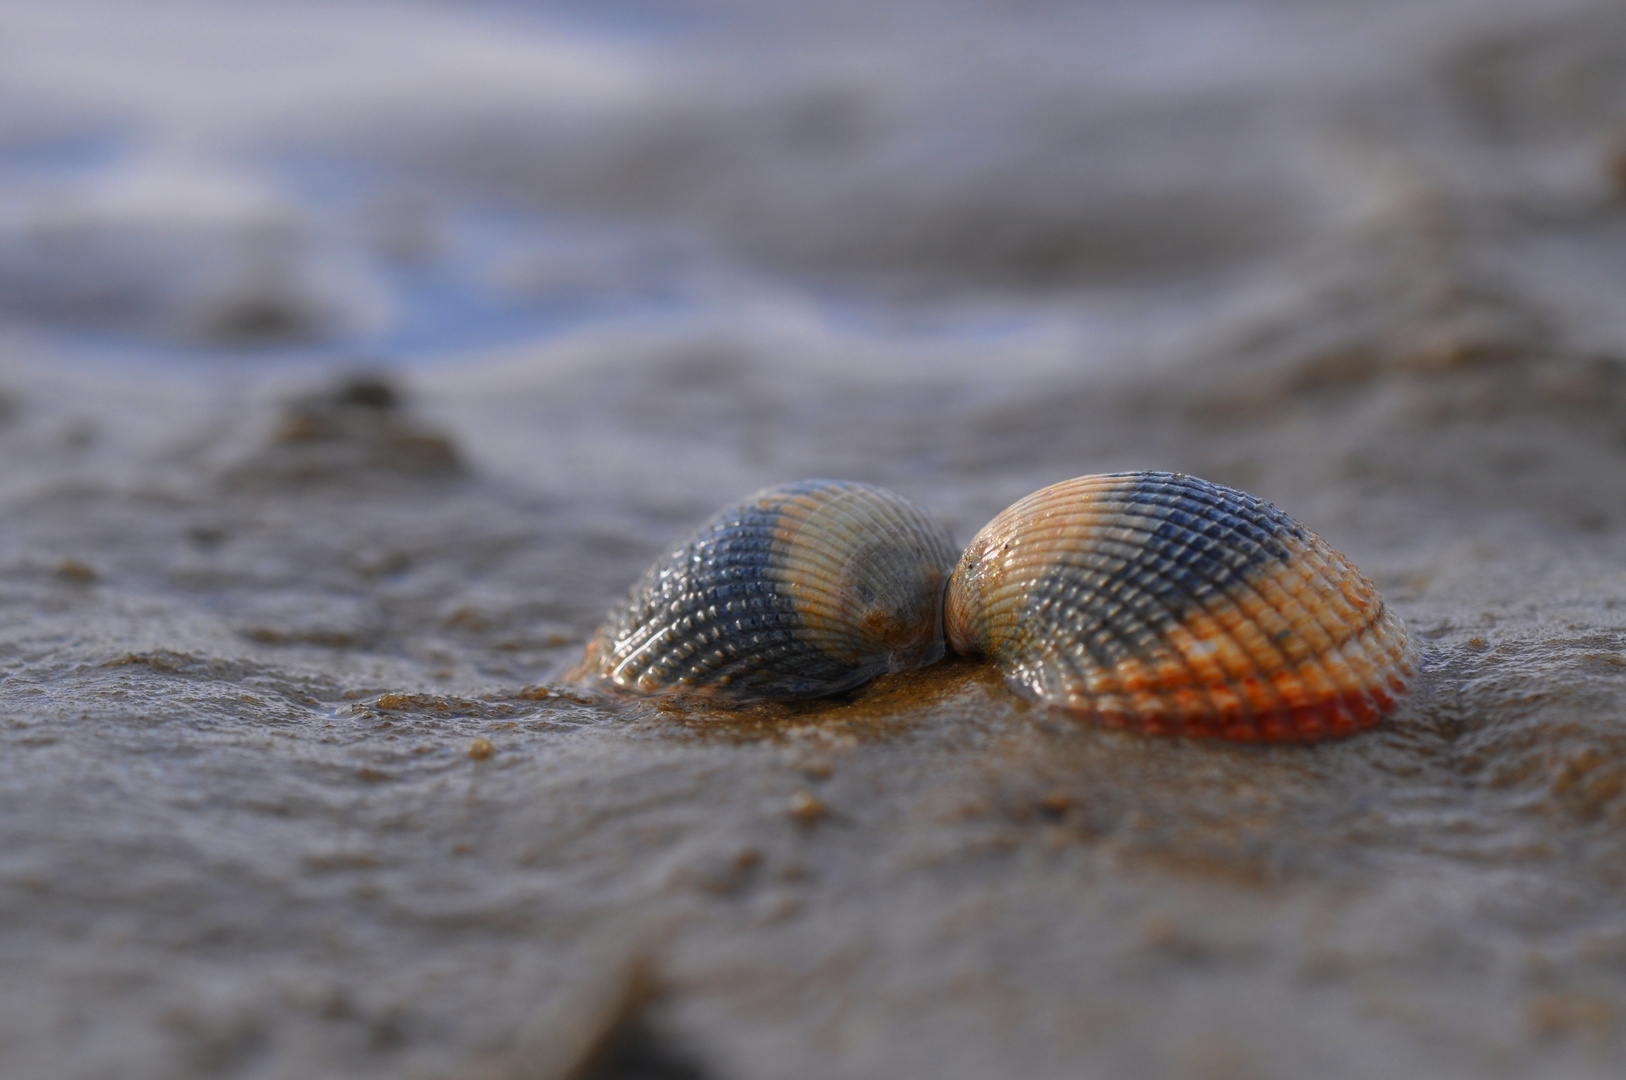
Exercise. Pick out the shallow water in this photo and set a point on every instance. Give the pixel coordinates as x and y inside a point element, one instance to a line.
<point>355,358</point>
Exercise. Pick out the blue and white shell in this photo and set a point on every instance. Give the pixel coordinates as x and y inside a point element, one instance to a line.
<point>802,590</point>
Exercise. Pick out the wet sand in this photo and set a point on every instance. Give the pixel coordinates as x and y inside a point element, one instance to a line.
<point>292,786</point>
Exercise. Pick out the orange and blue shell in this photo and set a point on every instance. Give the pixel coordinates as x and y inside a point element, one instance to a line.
<point>1164,603</point>
<point>800,591</point>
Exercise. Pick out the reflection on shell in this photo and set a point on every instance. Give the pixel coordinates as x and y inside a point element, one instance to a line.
<point>1169,604</point>
<point>802,590</point>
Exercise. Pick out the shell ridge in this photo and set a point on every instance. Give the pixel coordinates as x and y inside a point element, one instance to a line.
<point>1147,614</point>
<point>637,609</point>
<point>1248,587</point>
<point>1250,543</point>
<point>710,614</point>
<point>880,575</point>
<point>1146,530</point>
<point>1400,648</point>
<point>1170,603</point>
<point>803,589</point>
<point>1174,591</point>
<point>1333,572</point>
<point>1264,534</point>
<point>1340,632</point>
<point>1161,629</point>
<point>1344,692</point>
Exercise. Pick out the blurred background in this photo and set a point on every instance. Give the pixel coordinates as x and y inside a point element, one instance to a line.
<point>248,183</point>
<point>722,208</point>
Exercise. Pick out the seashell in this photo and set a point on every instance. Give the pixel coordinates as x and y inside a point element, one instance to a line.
<point>1166,603</point>
<point>800,591</point>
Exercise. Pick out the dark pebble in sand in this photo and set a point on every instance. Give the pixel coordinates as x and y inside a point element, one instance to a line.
<point>355,431</point>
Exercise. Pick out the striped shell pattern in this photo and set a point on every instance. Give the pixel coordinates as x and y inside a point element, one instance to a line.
<point>1165,603</point>
<point>799,591</point>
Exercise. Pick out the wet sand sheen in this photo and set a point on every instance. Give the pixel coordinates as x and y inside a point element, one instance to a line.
<point>305,661</point>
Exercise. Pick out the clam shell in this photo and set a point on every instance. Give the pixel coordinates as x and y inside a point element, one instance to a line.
<point>1166,603</point>
<point>799,591</point>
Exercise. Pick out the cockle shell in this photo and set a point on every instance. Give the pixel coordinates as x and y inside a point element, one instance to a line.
<point>800,591</point>
<point>1166,603</point>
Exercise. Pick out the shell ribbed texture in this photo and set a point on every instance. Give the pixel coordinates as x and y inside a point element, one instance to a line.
<point>1166,603</point>
<point>801,590</point>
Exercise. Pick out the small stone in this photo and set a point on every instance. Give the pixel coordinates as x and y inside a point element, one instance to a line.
<point>777,905</point>
<point>720,871</point>
<point>75,571</point>
<point>807,809</point>
<point>1559,1015</point>
<point>1056,803</point>
<point>1615,168</point>
<point>480,749</point>
<point>817,768</point>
